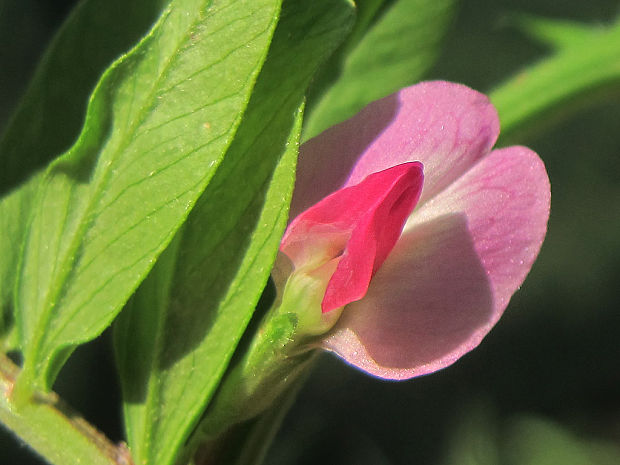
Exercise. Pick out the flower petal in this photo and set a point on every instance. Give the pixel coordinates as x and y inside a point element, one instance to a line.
<point>449,278</point>
<point>375,234</point>
<point>357,226</point>
<point>444,125</point>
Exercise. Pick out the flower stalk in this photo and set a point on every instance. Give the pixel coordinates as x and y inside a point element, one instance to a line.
<point>266,371</point>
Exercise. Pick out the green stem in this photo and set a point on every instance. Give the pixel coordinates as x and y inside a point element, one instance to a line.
<point>249,442</point>
<point>53,429</point>
<point>574,75</point>
<point>266,427</point>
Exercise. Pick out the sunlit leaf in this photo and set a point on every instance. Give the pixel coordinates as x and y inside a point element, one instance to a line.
<point>173,347</point>
<point>156,129</point>
<point>14,213</point>
<point>52,111</point>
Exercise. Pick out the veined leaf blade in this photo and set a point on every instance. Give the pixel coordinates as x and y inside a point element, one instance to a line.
<point>51,112</point>
<point>157,128</point>
<point>227,247</point>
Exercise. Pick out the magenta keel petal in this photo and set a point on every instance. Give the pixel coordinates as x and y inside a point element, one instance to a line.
<point>357,226</point>
<point>375,233</point>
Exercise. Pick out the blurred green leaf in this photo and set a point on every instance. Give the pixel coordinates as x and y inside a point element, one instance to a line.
<point>173,347</point>
<point>395,52</point>
<point>557,33</point>
<point>157,127</point>
<point>474,439</point>
<point>52,110</point>
<point>367,12</point>
<point>579,73</point>
<point>481,439</point>
<point>535,441</point>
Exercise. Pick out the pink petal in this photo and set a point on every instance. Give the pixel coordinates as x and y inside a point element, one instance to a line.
<point>445,126</point>
<point>358,226</point>
<point>449,278</point>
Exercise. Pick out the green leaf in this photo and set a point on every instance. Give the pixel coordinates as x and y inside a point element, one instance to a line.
<point>226,251</point>
<point>578,74</point>
<point>395,52</point>
<point>367,12</point>
<point>537,441</point>
<point>51,112</point>
<point>474,438</point>
<point>557,33</point>
<point>157,127</point>
<point>14,212</point>
<point>480,438</point>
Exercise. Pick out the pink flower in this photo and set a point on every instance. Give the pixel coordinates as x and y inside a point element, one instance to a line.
<point>415,269</point>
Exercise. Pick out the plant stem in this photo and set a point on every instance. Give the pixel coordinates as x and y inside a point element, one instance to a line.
<point>53,429</point>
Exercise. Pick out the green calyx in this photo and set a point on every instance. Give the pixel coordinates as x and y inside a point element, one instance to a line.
<point>280,352</point>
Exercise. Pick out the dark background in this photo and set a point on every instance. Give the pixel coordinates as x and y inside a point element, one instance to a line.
<point>544,386</point>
